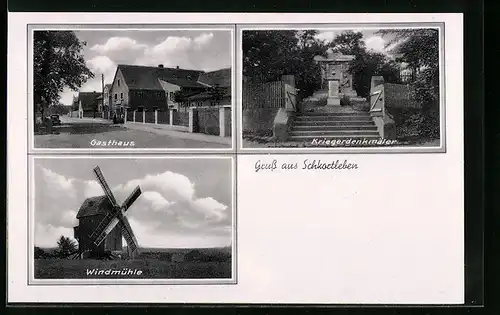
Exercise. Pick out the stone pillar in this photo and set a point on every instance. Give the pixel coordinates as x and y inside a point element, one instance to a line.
<point>333,93</point>
<point>144,116</point>
<point>133,117</point>
<point>193,119</point>
<point>171,117</point>
<point>125,115</point>
<point>224,130</point>
<point>156,116</point>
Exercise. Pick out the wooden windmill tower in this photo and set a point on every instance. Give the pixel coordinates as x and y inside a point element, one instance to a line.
<point>102,223</point>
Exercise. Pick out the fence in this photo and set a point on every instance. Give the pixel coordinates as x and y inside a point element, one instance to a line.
<point>262,95</point>
<point>262,100</point>
<point>181,118</point>
<point>150,117</point>
<point>207,120</point>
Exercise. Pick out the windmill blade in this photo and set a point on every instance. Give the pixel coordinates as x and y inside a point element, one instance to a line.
<point>103,229</point>
<point>132,198</point>
<point>105,187</point>
<point>128,234</point>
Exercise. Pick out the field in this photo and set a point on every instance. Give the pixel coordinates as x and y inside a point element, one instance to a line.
<point>150,269</point>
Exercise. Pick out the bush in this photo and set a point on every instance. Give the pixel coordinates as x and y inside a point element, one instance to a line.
<point>345,101</point>
<point>40,253</point>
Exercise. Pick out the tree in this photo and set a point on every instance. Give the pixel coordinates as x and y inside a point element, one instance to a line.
<point>216,93</point>
<point>57,63</point>
<point>65,246</point>
<point>268,55</point>
<point>366,64</point>
<point>419,48</point>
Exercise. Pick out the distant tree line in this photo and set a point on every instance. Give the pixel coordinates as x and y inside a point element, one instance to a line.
<point>65,247</point>
<point>267,55</point>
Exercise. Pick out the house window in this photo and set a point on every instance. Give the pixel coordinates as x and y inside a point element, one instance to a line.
<point>116,96</point>
<point>121,95</point>
<point>118,82</point>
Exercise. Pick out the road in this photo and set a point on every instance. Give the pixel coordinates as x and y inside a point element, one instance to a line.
<point>99,133</point>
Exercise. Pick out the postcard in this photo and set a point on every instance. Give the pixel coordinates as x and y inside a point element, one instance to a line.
<point>312,159</point>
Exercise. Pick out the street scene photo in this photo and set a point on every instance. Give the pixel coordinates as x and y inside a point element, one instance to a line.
<point>113,89</point>
<point>164,218</point>
<point>325,88</point>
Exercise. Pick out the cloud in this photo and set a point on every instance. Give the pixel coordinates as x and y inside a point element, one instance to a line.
<point>376,43</point>
<point>176,51</point>
<point>91,188</point>
<point>203,39</point>
<point>59,185</point>
<point>47,235</point>
<point>118,44</point>
<point>168,213</point>
<point>327,35</point>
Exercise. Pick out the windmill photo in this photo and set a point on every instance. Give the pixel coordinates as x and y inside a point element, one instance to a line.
<point>103,223</point>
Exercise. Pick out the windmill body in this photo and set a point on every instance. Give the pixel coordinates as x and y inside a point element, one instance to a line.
<point>103,223</point>
<point>91,214</point>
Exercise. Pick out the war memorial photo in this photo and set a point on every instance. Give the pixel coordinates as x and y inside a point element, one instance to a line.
<point>341,88</point>
<point>165,218</point>
<point>114,89</point>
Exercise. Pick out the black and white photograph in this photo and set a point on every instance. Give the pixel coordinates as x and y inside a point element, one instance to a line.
<point>162,218</point>
<point>126,89</point>
<point>331,87</point>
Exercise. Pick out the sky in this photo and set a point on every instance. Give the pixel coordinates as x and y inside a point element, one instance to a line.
<point>373,41</point>
<point>189,49</point>
<point>185,202</point>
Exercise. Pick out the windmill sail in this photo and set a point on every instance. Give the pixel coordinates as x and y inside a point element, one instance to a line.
<point>116,215</point>
<point>105,187</point>
<point>128,234</point>
<point>132,198</point>
<point>101,230</point>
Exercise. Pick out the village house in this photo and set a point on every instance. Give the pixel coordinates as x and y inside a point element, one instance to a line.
<point>220,79</point>
<point>88,104</point>
<point>141,88</point>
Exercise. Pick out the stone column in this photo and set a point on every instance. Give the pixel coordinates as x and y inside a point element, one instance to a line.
<point>125,115</point>
<point>193,119</point>
<point>171,117</point>
<point>144,116</point>
<point>156,116</point>
<point>224,130</point>
<point>133,117</point>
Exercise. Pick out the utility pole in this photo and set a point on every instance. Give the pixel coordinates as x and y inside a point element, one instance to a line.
<point>102,91</point>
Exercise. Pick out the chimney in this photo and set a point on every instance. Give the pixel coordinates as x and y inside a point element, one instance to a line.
<point>177,67</point>
<point>160,66</point>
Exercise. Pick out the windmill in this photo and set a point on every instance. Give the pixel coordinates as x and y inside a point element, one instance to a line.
<point>102,222</point>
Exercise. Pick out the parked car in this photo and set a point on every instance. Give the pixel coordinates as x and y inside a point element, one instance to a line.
<point>56,121</point>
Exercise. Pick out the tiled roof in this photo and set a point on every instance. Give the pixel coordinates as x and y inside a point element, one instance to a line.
<point>221,77</point>
<point>207,95</point>
<point>88,99</point>
<point>146,78</point>
<point>184,83</point>
<point>93,206</point>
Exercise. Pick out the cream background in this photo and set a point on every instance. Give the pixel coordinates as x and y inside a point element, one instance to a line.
<point>389,232</point>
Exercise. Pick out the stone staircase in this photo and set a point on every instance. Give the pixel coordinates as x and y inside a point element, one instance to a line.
<point>319,120</point>
<point>333,125</point>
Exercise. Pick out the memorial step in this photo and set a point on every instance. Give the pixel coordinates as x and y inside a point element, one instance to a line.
<point>349,132</point>
<point>332,137</point>
<point>333,122</point>
<point>367,127</point>
<point>333,118</point>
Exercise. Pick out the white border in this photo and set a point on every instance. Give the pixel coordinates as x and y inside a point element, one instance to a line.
<point>354,149</point>
<point>139,27</point>
<point>17,158</point>
<point>153,281</point>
